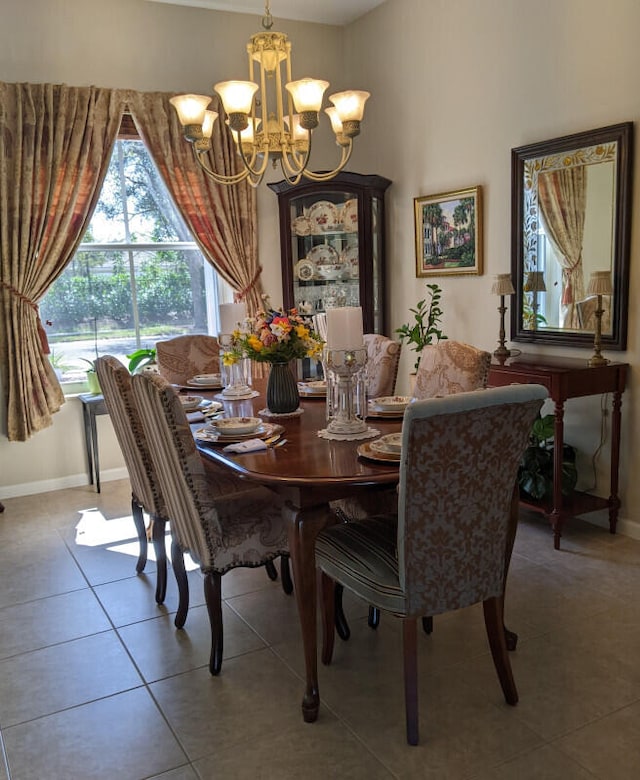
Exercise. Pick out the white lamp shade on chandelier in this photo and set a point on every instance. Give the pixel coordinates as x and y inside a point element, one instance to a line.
<point>271,116</point>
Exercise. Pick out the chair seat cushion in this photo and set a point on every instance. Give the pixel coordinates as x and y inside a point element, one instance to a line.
<point>362,556</point>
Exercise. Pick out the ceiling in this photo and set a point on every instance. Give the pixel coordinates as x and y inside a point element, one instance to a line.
<point>337,12</point>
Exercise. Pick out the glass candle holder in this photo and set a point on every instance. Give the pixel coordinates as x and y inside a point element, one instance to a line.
<point>344,371</point>
<point>235,373</point>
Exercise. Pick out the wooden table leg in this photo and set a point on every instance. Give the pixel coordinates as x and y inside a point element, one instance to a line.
<point>558,446</point>
<point>304,525</point>
<point>614,501</point>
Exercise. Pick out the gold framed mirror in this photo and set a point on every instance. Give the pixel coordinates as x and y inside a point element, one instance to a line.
<point>571,218</point>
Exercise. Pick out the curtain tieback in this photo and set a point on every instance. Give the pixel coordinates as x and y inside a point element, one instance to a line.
<point>44,342</point>
<point>243,293</point>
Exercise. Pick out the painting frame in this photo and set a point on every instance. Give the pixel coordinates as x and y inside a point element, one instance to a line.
<point>458,250</point>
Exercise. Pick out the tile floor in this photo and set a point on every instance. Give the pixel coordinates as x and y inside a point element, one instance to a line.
<point>95,682</point>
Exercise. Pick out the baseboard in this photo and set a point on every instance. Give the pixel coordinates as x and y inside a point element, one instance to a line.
<point>48,485</point>
<point>624,527</point>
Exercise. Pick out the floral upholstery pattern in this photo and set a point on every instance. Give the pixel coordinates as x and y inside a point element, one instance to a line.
<point>451,367</point>
<point>383,356</point>
<point>183,357</point>
<point>222,521</point>
<point>449,545</point>
<point>446,548</point>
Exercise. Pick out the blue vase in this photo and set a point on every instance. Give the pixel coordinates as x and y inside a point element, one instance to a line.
<point>282,390</point>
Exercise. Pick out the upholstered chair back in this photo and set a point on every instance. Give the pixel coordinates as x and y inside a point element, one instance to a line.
<point>115,382</point>
<point>383,356</point>
<point>450,367</point>
<point>183,357</point>
<point>179,467</point>
<point>461,456</point>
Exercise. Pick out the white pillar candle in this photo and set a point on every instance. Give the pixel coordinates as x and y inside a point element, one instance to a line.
<point>230,315</point>
<point>344,328</point>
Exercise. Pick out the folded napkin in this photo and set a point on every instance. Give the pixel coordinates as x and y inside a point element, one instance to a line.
<point>194,417</point>
<point>249,445</point>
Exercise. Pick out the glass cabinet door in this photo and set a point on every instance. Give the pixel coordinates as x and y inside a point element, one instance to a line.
<point>332,245</point>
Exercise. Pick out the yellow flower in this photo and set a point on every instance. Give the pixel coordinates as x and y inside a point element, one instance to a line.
<point>255,343</point>
<point>229,358</point>
<point>302,331</point>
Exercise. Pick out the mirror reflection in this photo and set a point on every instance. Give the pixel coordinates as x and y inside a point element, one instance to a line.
<point>571,215</point>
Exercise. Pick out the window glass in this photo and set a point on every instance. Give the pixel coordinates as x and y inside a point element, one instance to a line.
<point>137,277</point>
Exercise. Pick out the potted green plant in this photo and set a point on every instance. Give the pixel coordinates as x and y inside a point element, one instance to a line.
<point>425,327</point>
<point>92,377</point>
<point>535,474</point>
<point>141,358</point>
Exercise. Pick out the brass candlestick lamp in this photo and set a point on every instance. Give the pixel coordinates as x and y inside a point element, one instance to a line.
<point>502,286</point>
<point>599,285</point>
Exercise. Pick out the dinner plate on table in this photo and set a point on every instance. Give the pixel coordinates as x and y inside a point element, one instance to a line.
<point>365,451</point>
<point>391,403</point>
<point>211,435</point>
<point>205,382</point>
<point>314,389</point>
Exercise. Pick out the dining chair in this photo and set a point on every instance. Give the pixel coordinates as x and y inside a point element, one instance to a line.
<point>450,543</point>
<point>383,357</point>
<point>451,367</point>
<point>220,529</point>
<point>146,496</point>
<point>445,368</point>
<point>181,358</point>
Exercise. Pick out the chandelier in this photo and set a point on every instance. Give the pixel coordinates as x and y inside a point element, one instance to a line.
<point>267,121</point>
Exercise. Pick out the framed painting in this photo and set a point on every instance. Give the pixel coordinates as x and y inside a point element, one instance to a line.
<point>449,233</point>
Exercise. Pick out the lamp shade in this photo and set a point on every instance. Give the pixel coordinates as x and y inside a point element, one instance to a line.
<point>350,104</point>
<point>190,108</point>
<point>236,96</point>
<point>207,123</point>
<point>502,285</point>
<point>307,94</point>
<point>600,283</point>
<point>535,282</point>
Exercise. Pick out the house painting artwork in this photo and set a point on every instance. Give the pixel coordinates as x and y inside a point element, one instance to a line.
<point>449,233</point>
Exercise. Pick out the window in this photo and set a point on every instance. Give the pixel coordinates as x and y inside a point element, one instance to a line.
<point>137,276</point>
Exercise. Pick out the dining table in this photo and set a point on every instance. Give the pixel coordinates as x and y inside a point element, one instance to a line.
<point>307,473</point>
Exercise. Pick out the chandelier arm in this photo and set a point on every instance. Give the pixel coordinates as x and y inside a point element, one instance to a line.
<point>220,178</point>
<point>255,173</point>
<point>290,161</point>
<point>291,179</point>
<point>346,154</point>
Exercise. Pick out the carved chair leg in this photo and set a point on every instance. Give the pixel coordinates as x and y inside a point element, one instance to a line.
<point>374,617</point>
<point>493,619</point>
<point>285,575</point>
<point>272,572</point>
<point>410,651</point>
<point>327,604</point>
<point>213,597</point>
<point>158,533</point>
<point>341,623</point>
<point>177,561</point>
<point>138,521</point>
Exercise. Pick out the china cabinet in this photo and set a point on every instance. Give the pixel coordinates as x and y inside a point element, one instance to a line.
<point>332,245</point>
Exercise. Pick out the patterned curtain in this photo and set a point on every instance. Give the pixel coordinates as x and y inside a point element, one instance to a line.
<point>562,196</point>
<point>55,144</point>
<point>223,219</point>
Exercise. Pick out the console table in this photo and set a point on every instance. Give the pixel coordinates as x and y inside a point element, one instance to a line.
<point>92,406</point>
<point>567,378</point>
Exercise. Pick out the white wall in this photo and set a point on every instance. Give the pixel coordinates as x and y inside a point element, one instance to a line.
<point>455,85</point>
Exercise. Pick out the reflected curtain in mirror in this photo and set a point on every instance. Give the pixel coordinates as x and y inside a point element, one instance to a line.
<point>571,216</point>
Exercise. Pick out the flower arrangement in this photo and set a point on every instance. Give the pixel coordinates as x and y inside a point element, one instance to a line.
<point>275,336</point>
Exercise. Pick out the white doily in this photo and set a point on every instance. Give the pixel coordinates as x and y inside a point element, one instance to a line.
<point>368,434</point>
<point>267,413</point>
<point>252,394</point>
